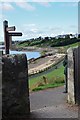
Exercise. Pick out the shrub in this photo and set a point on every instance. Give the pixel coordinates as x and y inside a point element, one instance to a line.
<point>36,89</point>
<point>40,84</point>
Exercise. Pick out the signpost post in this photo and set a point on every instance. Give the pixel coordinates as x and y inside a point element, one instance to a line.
<point>8,35</point>
<point>10,42</point>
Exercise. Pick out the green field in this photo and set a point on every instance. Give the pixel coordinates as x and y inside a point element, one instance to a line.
<point>72,45</point>
<point>54,78</point>
<point>51,42</point>
<point>64,48</point>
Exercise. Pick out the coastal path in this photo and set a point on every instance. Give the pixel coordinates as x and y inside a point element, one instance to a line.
<point>47,71</point>
<point>51,103</point>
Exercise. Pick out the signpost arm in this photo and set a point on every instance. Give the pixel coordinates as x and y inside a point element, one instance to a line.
<point>6,37</point>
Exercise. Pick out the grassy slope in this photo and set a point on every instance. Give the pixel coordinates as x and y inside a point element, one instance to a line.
<point>46,42</point>
<point>52,77</point>
<point>46,86</point>
<point>71,45</point>
<point>56,76</point>
<point>63,49</point>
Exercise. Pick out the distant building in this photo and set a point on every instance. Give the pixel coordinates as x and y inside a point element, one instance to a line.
<point>64,36</point>
<point>60,36</point>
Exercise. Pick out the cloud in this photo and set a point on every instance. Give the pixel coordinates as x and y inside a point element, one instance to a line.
<point>31,25</point>
<point>13,0</point>
<point>51,31</point>
<point>2,17</point>
<point>25,5</point>
<point>39,0</point>
<point>42,1</point>
<point>46,4</point>
<point>73,26</point>
<point>6,6</point>
<point>69,4</point>
<point>29,28</point>
<point>33,31</point>
<point>22,3</point>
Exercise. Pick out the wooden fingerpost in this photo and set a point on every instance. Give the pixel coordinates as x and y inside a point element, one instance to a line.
<point>6,37</point>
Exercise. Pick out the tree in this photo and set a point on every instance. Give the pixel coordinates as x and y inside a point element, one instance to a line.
<point>46,38</point>
<point>67,37</point>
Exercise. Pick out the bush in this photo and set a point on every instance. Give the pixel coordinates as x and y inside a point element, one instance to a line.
<point>36,89</point>
<point>40,84</point>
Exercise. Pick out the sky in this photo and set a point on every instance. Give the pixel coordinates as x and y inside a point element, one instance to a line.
<point>36,19</point>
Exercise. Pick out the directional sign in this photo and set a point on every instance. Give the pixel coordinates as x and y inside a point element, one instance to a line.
<point>13,28</point>
<point>8,35</point>
<point>15,34</point>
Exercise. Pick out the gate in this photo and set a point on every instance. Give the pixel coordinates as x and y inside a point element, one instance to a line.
<point>76,54</point>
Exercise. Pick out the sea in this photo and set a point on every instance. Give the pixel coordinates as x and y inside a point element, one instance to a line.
<point>29,55</point>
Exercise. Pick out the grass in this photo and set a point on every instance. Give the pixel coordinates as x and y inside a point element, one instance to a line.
<point>72,45</point>
<point>63,49</point>
<point>48,86</point>
<point>54,78</point>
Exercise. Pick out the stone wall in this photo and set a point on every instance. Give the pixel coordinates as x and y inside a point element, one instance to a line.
<point>15,90</point>
<point>77,74</point>
<point>73,74</point>
<point>71,97</point>
<point>0,85</point>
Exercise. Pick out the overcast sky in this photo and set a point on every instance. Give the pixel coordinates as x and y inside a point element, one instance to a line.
<point>36,19</point>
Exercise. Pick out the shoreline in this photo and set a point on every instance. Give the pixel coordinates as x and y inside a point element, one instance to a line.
<point>35,49</point>
<point>49,58</point>
<point>42,64</point>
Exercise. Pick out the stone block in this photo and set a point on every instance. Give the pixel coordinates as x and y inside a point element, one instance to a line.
<point>15,88</point>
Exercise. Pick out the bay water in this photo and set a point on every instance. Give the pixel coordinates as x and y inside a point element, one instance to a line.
<point>29,55</point>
